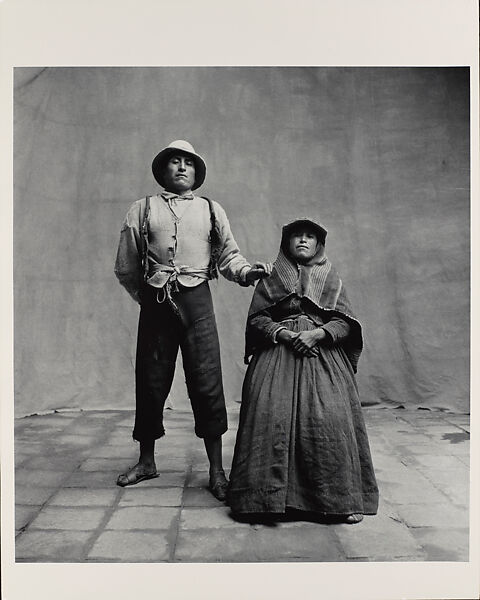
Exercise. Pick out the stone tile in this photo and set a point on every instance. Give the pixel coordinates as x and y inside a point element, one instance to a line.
<point>178,451</point>
<point>172,463</point>
<point>49,462</point>
<point>31,448</point>
<point>433,515</point>
<point>144,518</point>
<point>404,493</point>
<point>451,440</point>
<point>387,463</point>
<point>84,497</point>
<point>311,542</point>
<point>69,518</point>
<point>438,429</point>
<point>464,459</point>
<point>462,449</point>
<point>113,465</point>
<point>40,478</point>
<point>33,444</point>
<point>199,462</point>
<point>417,438</point>
<point>130,546</point>
<point>179,415</point>
<point>378,538</point>
<point>232,545</point>
<point>47,546</point>
<point>436,461</point>
<point>108,414</point>
<point>51,422</point>
<point>27,494</point>
<point>402,474</point>
<point>210,518</point>
<point>199,497</point>
<point>151,497</point>
<point>75,440</point>
<point>177,446</point>
<point>463,424</point>
<point>122,441</point>
<point>87,429</point>
<point>447,477</point>
<point>416,449</point>
<point>179,436</point>
<point>173,424</point>
<point>440,462</point>
<point>198,479</point>
<point>420,416</point>
<point>169,479</point>
<point>24,514</point>
<point>126,421</point>
<point>443,544</point>
<point>89,479</point>
<point>126,453</point>
<point>458,494</point>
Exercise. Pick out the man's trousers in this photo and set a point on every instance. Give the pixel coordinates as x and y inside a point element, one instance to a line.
<point>161,332</point>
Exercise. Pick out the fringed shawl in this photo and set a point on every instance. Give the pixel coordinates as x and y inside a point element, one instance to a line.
<point>319,283</point>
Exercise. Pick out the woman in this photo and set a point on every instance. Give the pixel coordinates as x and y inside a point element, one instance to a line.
<point>301,442</point>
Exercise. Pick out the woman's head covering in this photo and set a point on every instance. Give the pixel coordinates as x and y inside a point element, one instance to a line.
<point>160,161</point>
<point>317,281</point>
<point>303,223</point>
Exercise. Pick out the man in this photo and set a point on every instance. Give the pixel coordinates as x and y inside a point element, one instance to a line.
<point>170,246</point>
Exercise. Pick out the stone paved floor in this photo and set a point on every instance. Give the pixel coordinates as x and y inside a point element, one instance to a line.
<point>68,508</point>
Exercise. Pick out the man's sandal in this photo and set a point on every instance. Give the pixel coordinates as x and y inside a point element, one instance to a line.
<point>218,485</point>
<point>135,475</point>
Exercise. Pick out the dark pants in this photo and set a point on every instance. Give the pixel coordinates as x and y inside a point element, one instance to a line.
<point>160,333</point>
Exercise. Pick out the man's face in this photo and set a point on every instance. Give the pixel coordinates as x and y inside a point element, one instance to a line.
<point>303,244</point>
<point>179,174</point>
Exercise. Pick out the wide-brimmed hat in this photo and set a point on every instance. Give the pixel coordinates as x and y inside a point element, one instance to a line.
<point>303,222</point>
<point>159,162</point>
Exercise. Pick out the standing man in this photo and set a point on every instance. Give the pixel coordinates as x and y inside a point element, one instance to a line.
<point>170,246</point>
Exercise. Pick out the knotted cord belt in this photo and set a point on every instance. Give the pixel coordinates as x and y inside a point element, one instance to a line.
<point>171,285</point>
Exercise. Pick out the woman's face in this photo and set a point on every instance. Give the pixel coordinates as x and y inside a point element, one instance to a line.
<point>303,244</point>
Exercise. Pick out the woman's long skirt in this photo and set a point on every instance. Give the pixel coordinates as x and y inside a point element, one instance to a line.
<point>301,441</point>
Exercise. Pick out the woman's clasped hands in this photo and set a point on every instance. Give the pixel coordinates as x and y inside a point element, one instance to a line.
<point>304,342</point>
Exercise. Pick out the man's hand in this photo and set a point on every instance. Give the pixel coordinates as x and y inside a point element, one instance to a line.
<point>259,270</point>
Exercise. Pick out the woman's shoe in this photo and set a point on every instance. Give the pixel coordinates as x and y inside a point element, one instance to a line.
<point>355,518</point>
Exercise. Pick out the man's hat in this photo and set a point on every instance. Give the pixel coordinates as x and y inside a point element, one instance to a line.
<point>183,147</point>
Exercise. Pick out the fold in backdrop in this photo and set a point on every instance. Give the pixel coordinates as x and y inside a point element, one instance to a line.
<point>380,155</point>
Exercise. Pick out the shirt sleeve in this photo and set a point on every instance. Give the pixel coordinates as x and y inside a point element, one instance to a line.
<point>264,326</point>
<point>337,329</point>
<point>128,264</point>
<point>231,264</point>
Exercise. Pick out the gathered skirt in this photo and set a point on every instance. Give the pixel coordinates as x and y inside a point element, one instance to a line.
<point>301,442</point>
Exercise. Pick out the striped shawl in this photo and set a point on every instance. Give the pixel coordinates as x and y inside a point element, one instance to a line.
<point>319,283</point>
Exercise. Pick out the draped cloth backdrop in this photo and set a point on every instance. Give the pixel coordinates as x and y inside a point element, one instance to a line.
<point>380,155</point>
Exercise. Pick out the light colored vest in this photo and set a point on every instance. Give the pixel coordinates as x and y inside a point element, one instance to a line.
<point>179,242</point>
